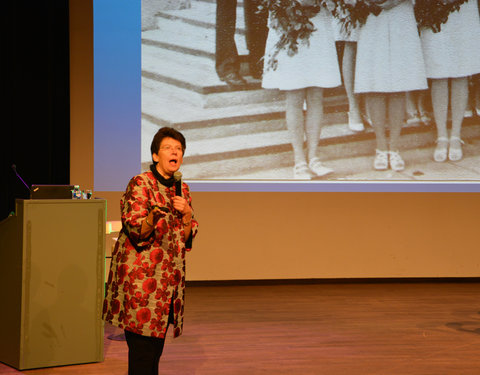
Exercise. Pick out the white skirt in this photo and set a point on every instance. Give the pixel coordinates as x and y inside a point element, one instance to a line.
<point>389,53</point>
<point>314,65</point>
<point>455,50</point>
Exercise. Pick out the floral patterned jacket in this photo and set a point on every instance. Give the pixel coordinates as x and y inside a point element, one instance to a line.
<point>147,276</point>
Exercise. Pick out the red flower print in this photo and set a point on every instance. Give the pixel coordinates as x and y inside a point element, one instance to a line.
<point>149,285</point>
<point>138,259</point>
<point>160,199</point>
<point>136,206</point>
<point>156,256</point>
<point>177,306</point>
<point>156,325</point>
<point>162,227</point>
<point>177,276</point>
<point>146,192</point>
<point>137,296</point>
<point>176,332</point>
<point>115,306</point>
<point>137,274</point>
<point>122,272</point>
<point>143,315</point>
<point>150,271</point>
<point>133,304</point>
<point>164,295</point>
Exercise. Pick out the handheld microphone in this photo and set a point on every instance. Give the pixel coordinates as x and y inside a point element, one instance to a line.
<point>177,176</point>
<point>14,167</point>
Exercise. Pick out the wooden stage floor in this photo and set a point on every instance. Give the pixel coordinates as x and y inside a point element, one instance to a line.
<point>425,328</point>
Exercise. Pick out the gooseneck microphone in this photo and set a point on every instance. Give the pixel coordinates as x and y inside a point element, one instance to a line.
<point>14,167</point>
<point>177,176</point>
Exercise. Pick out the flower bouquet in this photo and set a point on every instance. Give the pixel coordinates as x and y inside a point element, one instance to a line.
<point>291,19</point>
<point>433,13</point>
<point>355,13</point>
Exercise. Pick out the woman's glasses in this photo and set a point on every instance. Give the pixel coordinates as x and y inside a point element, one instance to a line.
<point>169,148</point>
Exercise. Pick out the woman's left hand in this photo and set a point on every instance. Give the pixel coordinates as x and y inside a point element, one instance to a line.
<point>181,204</point>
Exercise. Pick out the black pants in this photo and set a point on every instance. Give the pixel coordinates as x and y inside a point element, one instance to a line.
<point>144,352</point>
<point>226,54</point>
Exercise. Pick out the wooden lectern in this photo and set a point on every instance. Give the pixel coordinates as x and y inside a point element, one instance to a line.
<point>52,257</point>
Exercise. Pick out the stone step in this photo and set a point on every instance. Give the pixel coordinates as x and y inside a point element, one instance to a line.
<point>189,35</point>
<point>203,14</point>
<point>195,79</point>
<point>176,88</point>
<point>268,154</point>
<point>419,167</point>
<point>254,134</point>
<point>195,73</point>
<point>162,108</point>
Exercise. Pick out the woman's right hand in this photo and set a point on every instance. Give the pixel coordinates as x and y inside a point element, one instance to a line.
<point>156,213</point>
<point>149,223</point>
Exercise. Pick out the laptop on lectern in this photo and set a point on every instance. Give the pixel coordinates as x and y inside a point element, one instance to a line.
<point>51,192</point>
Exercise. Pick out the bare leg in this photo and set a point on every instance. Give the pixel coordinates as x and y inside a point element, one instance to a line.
<point>440,110</point>
<point>396,115</point>
<point>313,125</point>
<point>476,91</point>
<point>459,99</point>
<point>440,105</point>
<point>348,73</point>
<point>295,122</point>
<point>421,106</point>
<point>411,107</point>
<point>313,121</point>
<point>458,102</point>
<point>376,107</point>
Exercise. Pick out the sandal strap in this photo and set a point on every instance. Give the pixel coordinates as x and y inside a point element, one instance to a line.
<point>381,153</point>
<point>314,161</point>
<point>300,166</point>
<point>455,138</point>
<point>395,155</point>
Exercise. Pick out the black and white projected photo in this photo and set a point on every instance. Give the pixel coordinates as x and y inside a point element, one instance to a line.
<point>315,90</point>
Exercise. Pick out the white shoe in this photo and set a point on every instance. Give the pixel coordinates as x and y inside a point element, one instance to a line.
<point>440,153</point>
<point>455,153</point>
<point>318,168</point>
<point>413,119</point>
<point>355,125</point>
<point>380,163</point>
<point>396,161</point>
<point>301,172</point>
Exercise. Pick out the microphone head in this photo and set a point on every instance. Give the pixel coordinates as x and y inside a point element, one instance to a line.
<point>177,176</point>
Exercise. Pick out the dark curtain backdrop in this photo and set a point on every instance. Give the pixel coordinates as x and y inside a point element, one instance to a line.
<point>36,118</point>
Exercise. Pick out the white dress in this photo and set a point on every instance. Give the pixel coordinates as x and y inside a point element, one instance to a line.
<point>389,53</point>
<point>314,65</point>
<point>454,51</point>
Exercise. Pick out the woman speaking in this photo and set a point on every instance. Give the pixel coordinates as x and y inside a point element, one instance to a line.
<point>146,282</point>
